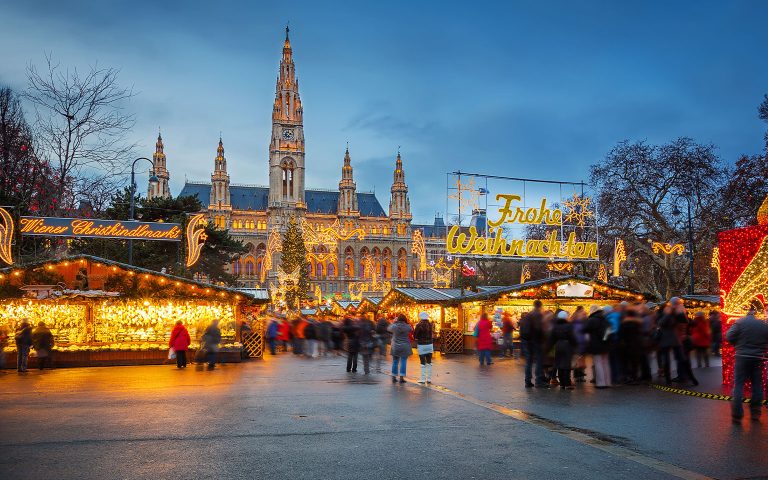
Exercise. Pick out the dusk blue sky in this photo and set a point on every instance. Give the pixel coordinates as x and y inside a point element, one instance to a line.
<point>536,89</point>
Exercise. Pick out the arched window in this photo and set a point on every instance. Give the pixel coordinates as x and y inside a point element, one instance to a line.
<point>236,267</point>
<point>249,267</point>
<point>331,270</point>
<point>287,167</point>
<point>320,270</point>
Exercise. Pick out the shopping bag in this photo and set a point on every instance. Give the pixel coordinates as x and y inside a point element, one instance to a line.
<point>171,353</point>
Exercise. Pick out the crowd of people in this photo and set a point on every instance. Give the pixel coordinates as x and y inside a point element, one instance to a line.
<point>38,341</point>
<point>622,340</point>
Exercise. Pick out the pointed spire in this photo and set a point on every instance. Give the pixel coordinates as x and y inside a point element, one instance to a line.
<point>220,163</point>
<point>159,144</point>
<point>347,205</point>
<point>287,43</point>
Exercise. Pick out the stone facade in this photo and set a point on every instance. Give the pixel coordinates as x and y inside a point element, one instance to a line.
<point>251,212</point>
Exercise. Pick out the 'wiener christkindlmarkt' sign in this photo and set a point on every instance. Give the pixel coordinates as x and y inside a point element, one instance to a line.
<point>91,228</point>
<point>471,242</point>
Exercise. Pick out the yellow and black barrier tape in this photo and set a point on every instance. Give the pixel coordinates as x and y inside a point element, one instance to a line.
<point>691,393</point>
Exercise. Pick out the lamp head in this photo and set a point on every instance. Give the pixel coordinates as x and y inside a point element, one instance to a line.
<point>153,180</point>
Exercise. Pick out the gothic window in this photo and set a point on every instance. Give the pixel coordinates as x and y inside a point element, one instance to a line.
<point>320,270</point>
<point>287,167</point>
<point>249,267</point>
<point>331,270</point>
<point>236,268</point>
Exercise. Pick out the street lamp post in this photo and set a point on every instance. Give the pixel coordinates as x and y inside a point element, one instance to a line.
<point>152,181</point>
<point>691,247</point>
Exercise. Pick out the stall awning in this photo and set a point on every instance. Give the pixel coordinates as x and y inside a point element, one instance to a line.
<point>701,300</point>
<point>84,273</point>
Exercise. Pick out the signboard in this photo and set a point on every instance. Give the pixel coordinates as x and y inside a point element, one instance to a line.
<point>579,290</point>
<point>557,244</point>
<point>92,228</point>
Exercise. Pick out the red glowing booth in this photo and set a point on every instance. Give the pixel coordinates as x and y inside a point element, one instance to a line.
<point>743,264</point>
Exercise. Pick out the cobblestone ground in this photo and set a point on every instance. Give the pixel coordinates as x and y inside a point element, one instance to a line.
<point>289,417</point>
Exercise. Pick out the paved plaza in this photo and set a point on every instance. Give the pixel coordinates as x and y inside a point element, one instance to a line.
<point>290,417</point>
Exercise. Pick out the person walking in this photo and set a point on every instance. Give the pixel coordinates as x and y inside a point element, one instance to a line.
<point>484,340</point>
<point>579,320</point>
<point>210,341</point>
<point>382,332</point>
<point>701,339</point>
<point>323,329</point>
<point>352,332</point>
<point>42,341</point>
<point>310,337</point>
<point>23,339</point>
<point>507,330</point>
<point>716,329</point>
<point>401,347</point>
<point>749,337</point>
<point>3,344</point>
<point>597,329</point>
<point>673,325</point>
<point>424,336</point>
<point>272,333</point>
<point>285,333</point>
<point>531,336</point>
<point>632,345</point>
<point>367,342</point>
<point>563,340</point>
<point>179,342</point>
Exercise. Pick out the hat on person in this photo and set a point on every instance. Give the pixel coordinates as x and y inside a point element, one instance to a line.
<point>562,315</point>
<point>607,309</point>
<point>423,316</point>
<point>593,309</point>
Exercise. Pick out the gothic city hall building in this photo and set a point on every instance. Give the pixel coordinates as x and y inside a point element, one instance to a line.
<point>350,237</point>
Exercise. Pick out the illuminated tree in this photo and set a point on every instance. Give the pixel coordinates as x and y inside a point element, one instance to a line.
<point>294,256</point>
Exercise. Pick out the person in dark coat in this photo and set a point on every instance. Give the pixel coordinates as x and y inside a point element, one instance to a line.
<point>596,329</point>
<point>23,339</point>
<point>749,337</point>
<point>383,336</point>
<point>579,320</point>
<point>563,340</point>
<point>672,322</point>
<point>324,330</point>
<point>632,345</point>
<point>424,336</point>
<point>367,342</point>
<point>272,333</point>
<point>531,336</point>
<point>716,327</point>
<point>210,341</point>
<point>352,332</point>
<point>42,340</point>
<point>179,342</point>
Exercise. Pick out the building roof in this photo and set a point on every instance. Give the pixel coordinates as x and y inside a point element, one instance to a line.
<point>251,197</point>
<point>709,299</point>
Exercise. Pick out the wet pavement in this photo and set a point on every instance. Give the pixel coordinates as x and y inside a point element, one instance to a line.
<point>297,418</point>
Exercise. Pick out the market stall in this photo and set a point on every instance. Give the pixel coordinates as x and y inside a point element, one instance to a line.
<point>107,313</point>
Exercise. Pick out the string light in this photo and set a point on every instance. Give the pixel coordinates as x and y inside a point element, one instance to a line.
<point>668,248</point>
<point>6,237</point>
<point>619,256</point>
<point>715,263</point>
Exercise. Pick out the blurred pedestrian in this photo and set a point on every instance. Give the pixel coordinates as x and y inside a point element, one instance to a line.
<point>3,344</point>
<point>179,342</point>
<point>424,336</point>
<point>547,351</point>
<point>352,332</point>
<point>285,333</point>
<point>507,330</point>
<point>531,336</point>
<point>382,332</point>
<point>631,345</point>
<point>597,329</point>
<point>672,322</point>
<point>272,333</point>
<point>749,337</point>
<point>310,338</point>
<point>42,341</point>
<point>563,341</point>
<point>716,329</point>
<point>401,347</point>
<point>210,342</point>
<point>484,340</point>
<point>323,329</point>
<point>579,320</point>
<point>23,339</point>
<point>367,342</point>
<point>701,339</point>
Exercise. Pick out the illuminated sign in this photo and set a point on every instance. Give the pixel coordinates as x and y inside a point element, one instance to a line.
<point>471,242</point>
<point>579,290</point>
<point>93,228</point>
<point>196,237</point>
<point>6,236</point>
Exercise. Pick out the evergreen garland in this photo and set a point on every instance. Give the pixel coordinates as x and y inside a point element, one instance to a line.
<point>294,255</point>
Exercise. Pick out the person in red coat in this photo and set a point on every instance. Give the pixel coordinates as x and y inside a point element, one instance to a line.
<point>484,339</point>
<point>179,342</point>
<point>284,334</point>
<point>701,339</point>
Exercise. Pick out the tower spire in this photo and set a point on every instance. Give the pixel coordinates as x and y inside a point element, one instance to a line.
<point>160,169</point>
<point>220,181</point>
<point>399,204</point>
<point>347,206</point>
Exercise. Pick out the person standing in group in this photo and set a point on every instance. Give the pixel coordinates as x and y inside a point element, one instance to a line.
<point>285,333</point>
<point>3,344</point>
<point>42,341</point>
<point>323,330</point>
<point>210,342</point>
<point>701,339</point>
<point>597,329</point>
<point>352,331</point>
<point>424,336</point>
<point>310,338</point>
<point>272,333</point>
<point>23,339</point>
<point>367,342</point>
<point>749,337</point>
<point>484,339</point>
<point>632,345</point>
<point>179,342</point>
<point>563,340</point>
<point>531,336</point>
<point>382,332</point>
<point>579,320</point>
<point>716,329</point>
<point>507,329</point>
<point>673,321</point>
<point>401,347</point>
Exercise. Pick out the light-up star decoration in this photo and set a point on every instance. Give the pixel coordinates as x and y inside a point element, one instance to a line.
<point>578,210</point>
<point>466,194</point>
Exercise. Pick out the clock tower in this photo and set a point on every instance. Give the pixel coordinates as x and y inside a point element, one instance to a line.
<point>286,147</point>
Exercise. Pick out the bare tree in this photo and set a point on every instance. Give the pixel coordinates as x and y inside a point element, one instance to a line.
<point>81,126</point>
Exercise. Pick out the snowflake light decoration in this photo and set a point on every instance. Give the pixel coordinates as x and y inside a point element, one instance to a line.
<point>466,194</point>
<point>578,210</point>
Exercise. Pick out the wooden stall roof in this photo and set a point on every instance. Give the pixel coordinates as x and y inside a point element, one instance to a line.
<point>703,300</point>
<point>453,296</point>
<point>369,304</point>
<point>68,268</point>
<point>347,305</point>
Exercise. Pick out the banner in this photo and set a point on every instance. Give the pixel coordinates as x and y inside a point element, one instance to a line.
<point>94,228</point>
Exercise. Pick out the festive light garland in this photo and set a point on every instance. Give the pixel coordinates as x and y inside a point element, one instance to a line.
<point>715,263</point>
<point>619,256</point>
<point>466,194</point>
<point>420,249</point>
<point>578,210</point>
<point>602,273</point>
<point>668,248</point>
<point>196,237</point>
<point>560,266</point>
<point>6,237</point>
<point>525,274</point>
<point>274,244</point>
<point>441,272</point>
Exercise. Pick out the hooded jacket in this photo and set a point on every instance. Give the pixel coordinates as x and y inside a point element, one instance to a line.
<point>749,337</point>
